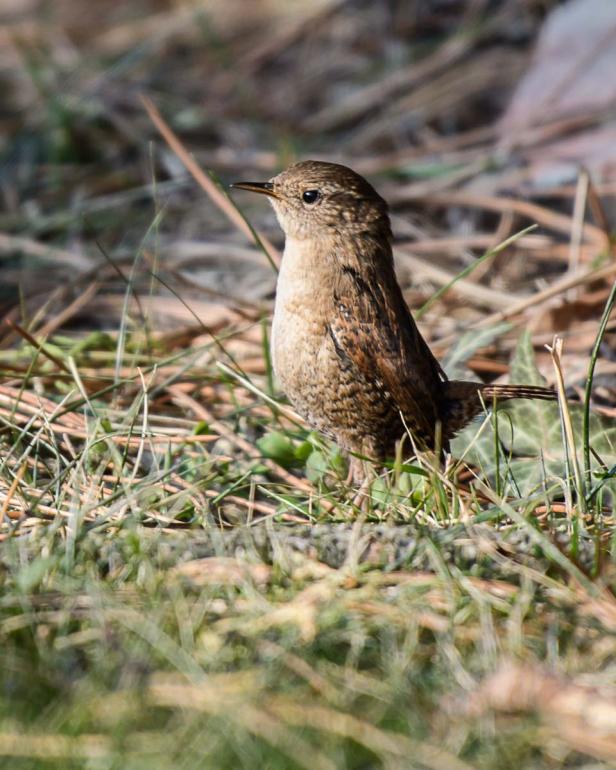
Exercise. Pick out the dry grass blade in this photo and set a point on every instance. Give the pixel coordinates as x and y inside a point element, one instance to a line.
<point>518,308</point>
<point>39,346</point>
<point>380,741</point>
<point>558,287</point>
<point>87,747</point>
<point>582,716</point>
<point>69,311</point>
<point>11,491</point>
<point>532,211</point>
<point>479,295</point>
<point>223,571</point>
<point>556,351</point>
<point>218,197</point>
<point>375,94</point>
<point>299,21</point>
<point>577,226</point>
<point>223,700</point>
<point>16,243</point>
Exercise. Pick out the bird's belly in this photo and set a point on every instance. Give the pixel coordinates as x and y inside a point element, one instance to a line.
<point>333,397</point>
<point>302,363</point>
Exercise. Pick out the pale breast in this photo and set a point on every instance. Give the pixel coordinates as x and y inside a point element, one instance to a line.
<point>329,392</point>
<point>302,351</point>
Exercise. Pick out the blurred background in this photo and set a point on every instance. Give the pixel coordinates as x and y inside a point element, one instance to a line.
<point>474,118</point>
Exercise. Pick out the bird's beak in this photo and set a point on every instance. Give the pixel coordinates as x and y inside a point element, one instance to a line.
<point>263,188</point>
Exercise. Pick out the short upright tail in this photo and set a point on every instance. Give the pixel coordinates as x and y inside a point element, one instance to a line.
<point>464,400</point>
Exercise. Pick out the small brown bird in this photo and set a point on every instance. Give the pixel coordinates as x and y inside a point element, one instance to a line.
<point>345,347</point>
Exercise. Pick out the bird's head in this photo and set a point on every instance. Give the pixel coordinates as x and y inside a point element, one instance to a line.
<point>313,199</point>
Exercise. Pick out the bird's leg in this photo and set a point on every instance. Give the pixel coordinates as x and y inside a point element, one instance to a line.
<point>361,499</point>
<point>360,475</point>
<point>359,471</point>
<point>356,472</point>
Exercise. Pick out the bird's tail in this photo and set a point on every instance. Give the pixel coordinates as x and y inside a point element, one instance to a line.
<point>465,400</point>
<point>504,392</point>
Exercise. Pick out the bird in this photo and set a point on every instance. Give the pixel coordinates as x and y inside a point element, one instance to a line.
<point>345,348</point>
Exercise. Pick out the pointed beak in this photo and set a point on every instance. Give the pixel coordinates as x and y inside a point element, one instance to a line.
<point>263,188</point>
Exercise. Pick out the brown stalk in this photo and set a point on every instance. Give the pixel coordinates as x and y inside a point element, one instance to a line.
<point>204,180</point>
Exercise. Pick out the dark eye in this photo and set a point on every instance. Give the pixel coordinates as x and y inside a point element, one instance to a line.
<point>311,196</point>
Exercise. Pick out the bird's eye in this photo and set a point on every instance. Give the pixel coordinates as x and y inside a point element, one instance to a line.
<point>310,196</point>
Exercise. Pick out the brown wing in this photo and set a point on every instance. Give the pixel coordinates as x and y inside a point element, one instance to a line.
<point>374,330</point>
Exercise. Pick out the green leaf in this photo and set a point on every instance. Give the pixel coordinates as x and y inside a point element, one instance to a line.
<point>303,451</point>
<point>413,470</point>
<point>469,343</point>
<point>322,461</point>
<point>278,447</point>
<point>530,436</point>
<point>522,369</point>
<point>316,465</point>
<point>96,340</point>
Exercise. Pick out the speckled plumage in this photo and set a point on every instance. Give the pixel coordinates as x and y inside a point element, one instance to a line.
<point>345,347</point>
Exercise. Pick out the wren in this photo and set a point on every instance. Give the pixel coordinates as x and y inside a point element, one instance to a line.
<point>345,348</point>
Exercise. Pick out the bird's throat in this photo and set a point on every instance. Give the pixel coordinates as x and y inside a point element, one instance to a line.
<point>306,274</point>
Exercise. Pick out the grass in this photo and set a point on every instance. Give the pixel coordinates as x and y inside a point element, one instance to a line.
<point>144,646</point>
<point>176,593</point>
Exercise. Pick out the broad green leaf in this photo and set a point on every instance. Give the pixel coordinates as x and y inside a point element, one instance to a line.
<point>278,447</point>
<point>303,451</point>
<point>323,461</point>
<point>469,343</point>
<point>532,456</point>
